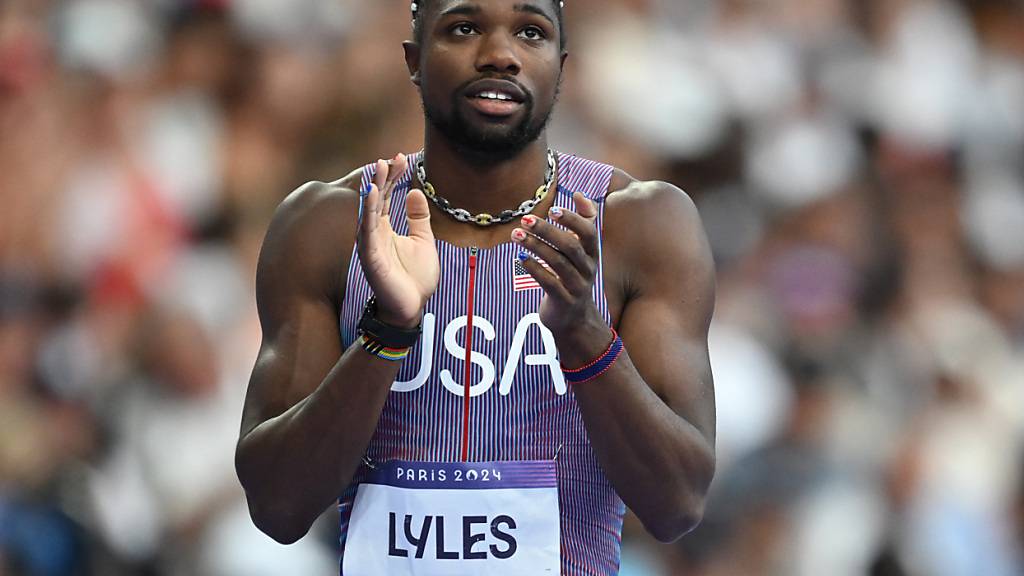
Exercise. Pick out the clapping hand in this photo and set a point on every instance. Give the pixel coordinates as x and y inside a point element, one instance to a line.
<point>403,271</point>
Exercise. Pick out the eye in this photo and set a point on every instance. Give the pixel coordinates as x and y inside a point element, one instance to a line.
<point>532,33</point>
<point>463,29</point>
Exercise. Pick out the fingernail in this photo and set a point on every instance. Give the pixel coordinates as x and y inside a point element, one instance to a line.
<point>523,256</point>
<point>518,235</point>
<point>366,190</point>
<point>529,221</point>
<point>556,212</point>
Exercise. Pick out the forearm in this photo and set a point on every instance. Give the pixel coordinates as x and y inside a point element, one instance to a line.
<point>294,465</point>
<point>660,464</point>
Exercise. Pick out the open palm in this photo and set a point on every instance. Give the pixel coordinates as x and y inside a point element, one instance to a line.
<point>403,271</point>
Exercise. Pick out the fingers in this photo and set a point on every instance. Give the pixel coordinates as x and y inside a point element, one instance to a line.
<point>581,223</point>
<point>371,210</point>
<point>375,202</point>
<point>369,214</point>
<point>549,282</point>
<point>417,210</point>
<point>578,241</point>
<point>380,174</point>
<point>398,167</point>
<point>386,177</point>
<point>585,207</point>
<point>571,252</point>
<point>575,279</point>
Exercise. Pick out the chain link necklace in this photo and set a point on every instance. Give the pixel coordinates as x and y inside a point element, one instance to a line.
<point>485,219</point>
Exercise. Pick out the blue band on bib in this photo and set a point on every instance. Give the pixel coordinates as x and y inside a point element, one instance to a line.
<point>465,475</point>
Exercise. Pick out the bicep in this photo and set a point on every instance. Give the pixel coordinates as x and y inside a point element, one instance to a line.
<point>293,360</point>
<point>664,326</point>
<point>297,285</point>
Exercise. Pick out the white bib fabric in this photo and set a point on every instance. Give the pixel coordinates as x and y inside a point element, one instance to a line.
<point>455,518</point>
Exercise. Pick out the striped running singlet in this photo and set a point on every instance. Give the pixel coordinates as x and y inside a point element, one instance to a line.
<point>520,408</point>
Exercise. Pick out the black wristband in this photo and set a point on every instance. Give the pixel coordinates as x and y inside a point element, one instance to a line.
<point>386,334</point>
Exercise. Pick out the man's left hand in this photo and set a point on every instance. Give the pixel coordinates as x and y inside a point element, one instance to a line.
<point>571,255</point>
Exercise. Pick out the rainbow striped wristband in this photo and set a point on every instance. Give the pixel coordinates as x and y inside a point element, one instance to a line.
<point>381,351</point>
<point>596,367</point>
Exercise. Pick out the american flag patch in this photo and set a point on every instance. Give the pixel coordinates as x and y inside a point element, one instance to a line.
<point>521,279</point>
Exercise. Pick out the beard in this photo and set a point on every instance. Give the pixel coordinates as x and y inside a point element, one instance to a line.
<point>487,144</point>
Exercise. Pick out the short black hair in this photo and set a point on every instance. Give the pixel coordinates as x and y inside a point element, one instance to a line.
<point>419,7</point>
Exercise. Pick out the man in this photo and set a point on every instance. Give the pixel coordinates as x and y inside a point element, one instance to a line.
<point>487,354</point>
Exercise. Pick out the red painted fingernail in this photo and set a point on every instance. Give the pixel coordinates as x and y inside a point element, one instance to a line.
<point>518,235</point>
<point>529,221</point>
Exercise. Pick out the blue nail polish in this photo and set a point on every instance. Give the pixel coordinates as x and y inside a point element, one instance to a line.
<point>366,191</point>
<point>524,256</point>
<point>556,211</point>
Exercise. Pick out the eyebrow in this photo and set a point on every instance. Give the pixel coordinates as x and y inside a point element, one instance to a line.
<point>469,9</point>
<point>533,9</point>
<point>474,9</point>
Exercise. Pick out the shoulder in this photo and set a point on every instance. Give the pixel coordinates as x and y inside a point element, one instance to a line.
<point>311,234</point>
<point>318,203</point>
<point>642,212</point>
<point>654,237</point>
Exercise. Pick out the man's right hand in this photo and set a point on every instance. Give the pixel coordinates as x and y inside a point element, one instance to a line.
<point>403,271</point>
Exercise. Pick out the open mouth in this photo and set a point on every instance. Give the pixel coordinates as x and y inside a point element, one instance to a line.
<point>495,97</point>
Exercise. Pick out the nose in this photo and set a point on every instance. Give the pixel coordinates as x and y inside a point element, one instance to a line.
<point>497,54</point>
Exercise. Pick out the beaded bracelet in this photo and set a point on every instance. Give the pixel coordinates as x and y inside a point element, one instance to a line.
<point>596,367</point>
<point>381,351</point>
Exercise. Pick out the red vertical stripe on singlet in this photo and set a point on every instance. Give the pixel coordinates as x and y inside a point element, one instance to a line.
<point>469,352</point>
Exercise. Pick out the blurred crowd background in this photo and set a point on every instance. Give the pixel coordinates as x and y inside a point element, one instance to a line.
<point>859,165</point>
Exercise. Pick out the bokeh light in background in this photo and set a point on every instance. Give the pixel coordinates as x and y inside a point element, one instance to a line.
<point>859,165</point>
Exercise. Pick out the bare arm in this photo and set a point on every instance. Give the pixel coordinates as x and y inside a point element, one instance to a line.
<point>651,416</point>
<point>311,408</point>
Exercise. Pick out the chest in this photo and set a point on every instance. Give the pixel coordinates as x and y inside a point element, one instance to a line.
<point>482,326</point>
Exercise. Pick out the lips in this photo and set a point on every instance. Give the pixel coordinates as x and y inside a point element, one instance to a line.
<point>495,97</point>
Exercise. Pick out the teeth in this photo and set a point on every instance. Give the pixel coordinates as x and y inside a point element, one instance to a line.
<point>494,96</point>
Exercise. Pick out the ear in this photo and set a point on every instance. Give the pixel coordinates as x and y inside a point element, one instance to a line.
<point>412,60</point>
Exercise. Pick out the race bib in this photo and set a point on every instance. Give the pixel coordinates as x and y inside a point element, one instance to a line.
<point>433,518</point>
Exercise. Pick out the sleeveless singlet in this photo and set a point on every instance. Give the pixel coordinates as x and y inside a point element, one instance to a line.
<point>520,408</point>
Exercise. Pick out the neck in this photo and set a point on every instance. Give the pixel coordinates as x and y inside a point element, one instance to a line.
<point>484,185</point>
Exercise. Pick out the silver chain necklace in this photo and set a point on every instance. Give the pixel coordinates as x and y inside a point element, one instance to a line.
<point>485,219</point>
